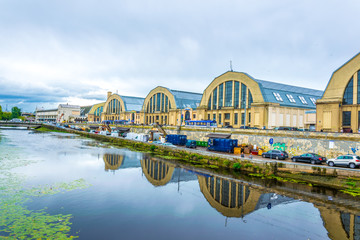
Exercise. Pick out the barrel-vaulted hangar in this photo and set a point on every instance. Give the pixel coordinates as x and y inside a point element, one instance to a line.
<point>118,107</point>
<point>169,107</point>
<point>339,107</point>
<point>237,99</point>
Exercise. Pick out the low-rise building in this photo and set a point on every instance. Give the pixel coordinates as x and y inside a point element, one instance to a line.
<point>64,113</point>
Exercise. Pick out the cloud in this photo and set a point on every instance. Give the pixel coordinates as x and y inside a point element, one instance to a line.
<point>56,51</point>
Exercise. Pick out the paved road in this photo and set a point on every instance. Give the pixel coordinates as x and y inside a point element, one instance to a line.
<point>204,151</point>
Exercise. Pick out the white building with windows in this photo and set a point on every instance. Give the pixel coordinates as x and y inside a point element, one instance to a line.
<point>64,113</point>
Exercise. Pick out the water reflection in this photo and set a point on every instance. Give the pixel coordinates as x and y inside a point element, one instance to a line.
<point>160,173</point>
<point>233,199</point>
<point>113,161</point>
<point>340,225</point>
<point>182,201</point>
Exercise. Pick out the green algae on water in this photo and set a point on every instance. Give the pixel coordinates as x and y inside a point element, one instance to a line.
<point>16,220</point>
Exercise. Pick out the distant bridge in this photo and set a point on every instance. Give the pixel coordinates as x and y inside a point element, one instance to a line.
<point>20,124</point>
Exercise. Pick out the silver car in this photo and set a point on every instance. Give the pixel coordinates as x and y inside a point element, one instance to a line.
<point>351,161</point>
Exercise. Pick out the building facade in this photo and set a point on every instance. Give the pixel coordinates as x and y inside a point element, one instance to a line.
<point>239,100</point>
<point>95,112</point>
<point>119,107</point>
<point>46,115</point>
<point>169,107</point>
<point>64,113</point>
<point>339,107</point>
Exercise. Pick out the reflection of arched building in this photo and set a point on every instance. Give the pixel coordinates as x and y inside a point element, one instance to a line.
<point>233,199</point>
<point>157,172</point>
<point>340,226</point>
<point>113,161</point>
<point>339,106</point>
<point>169,107</point>
<point>236,98</point>
<point>119,107</point>
<point>229,198</point>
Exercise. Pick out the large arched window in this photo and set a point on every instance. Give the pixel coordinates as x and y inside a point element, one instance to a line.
<point>98,111</point>
<point>230,94</point>
<point>114,107</point>
<point>348,94</point>
<point>159,102</point>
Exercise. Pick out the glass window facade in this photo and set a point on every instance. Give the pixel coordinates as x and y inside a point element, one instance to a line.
<point>237,94</point>
<point>243,95</point>
<point>219,118</point>
<point>158,102</point>
<point>250,99</point>
<point>236,118</point>
<point>227,116</point>
<point>166,103</point>
<point>231,96</point>
<point>348,94</point>
<point>215,99</point>
<point>346,118</point>
<point>228,93</point>
<point>221,95</point>
<point>162,102</point>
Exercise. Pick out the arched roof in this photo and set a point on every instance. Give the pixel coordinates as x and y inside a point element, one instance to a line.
<point>127,103</point>
<point>340,78</point>
<point>178,99</point>
<point>96,106</point>
<point>263,91</point>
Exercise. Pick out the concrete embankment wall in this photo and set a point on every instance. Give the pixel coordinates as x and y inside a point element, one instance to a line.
<point>264,166</point>
<point>329,145</point>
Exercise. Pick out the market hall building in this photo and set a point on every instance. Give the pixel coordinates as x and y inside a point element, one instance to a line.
<point>118,107</point>
<point>339,107</point>
<point>237,99</point>
<point>170,107</point>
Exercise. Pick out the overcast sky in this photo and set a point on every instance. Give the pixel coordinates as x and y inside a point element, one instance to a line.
<point>75,51</point>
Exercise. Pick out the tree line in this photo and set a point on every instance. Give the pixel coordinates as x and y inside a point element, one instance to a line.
<point>15,113</point>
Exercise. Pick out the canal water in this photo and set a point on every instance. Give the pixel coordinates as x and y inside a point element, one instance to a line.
<point>58,185</point>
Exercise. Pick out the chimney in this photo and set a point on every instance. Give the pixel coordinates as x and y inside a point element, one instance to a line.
<point>109,94</point>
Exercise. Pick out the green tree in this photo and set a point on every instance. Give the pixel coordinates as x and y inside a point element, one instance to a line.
<point>6,115</point>
<point>0,112</point>
<point>15,112</point>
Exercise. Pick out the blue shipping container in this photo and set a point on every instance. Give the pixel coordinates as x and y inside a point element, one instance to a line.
<point>222,145</point>
<point>176,139</point>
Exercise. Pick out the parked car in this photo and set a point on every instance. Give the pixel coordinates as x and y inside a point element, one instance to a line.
<point>312,158</point>
<point>277,154</point>
<point>190,144</point>
<point>348,160</point>
<point>168,144</point>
